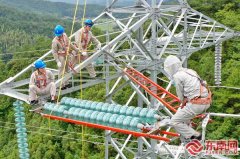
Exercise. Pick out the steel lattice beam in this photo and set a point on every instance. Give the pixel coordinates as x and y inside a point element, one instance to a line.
<point>149,31</point>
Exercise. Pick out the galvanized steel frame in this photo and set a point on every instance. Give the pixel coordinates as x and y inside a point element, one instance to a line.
<point>152,32</point>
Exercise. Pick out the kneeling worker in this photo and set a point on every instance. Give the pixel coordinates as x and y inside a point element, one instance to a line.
<point>41,83</point>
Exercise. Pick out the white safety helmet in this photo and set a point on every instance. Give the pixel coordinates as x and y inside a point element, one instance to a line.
<point>171,65</point>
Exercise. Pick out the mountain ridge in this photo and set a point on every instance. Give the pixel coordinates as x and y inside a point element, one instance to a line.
<point>58,9</point>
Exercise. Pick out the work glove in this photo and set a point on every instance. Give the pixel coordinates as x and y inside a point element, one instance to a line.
<point>84,53</point>
<point>77,50</point>
<point>59,64</point>
<point>98,47</point>
<point>184,102</point>
<point>173,83</point>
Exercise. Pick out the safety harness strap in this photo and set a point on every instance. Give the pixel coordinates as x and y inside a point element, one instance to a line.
<point>64,45</point>
<point>85,40</point>
<point>199,99</point>
<point>40,79</point>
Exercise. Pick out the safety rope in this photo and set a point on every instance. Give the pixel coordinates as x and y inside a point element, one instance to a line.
<point>66,60</point>
<point>81,88</point>
<point>64,69</point>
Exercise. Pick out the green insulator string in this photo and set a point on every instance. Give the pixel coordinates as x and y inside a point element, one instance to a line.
<point>21,130</point>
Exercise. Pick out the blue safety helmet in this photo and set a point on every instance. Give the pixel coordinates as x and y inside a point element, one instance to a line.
<point>59,30</point>
<point>88,22</point>
<point>39,64</point>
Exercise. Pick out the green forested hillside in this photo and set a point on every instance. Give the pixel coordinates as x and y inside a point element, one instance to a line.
<point>52,8</point>
<point>23,31</point>
<point>225,100</point>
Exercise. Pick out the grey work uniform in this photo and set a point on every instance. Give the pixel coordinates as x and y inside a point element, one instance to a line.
<point>188,86</point>
<point>82,40</point>
<point>41,84</point>
<point>59,51</point>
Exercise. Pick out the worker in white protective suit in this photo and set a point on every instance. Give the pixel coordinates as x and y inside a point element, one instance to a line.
<point>60,50</point>
<point>192,91</point>
<point>41,83</point>
<point>82,39</point>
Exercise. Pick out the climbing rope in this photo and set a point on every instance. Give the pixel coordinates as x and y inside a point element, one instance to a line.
<point>81,88</point>
<point>64,69</point>
<point>66,60</point>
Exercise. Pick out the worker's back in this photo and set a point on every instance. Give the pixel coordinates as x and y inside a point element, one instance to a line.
<point>190,82</point>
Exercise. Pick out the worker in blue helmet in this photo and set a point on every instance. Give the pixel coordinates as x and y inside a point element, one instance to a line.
<point>61,48</point>
<point>41,83</point>
<point>83,38</point>
<point>192,91</point>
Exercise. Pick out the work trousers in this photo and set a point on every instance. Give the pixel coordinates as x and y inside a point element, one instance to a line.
<point>75,59</point>
<point>34,91</point>
<point>61,69</point>
<point>181,120</point>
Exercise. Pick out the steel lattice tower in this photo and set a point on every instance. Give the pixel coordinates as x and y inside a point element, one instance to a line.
<point>140,36</point>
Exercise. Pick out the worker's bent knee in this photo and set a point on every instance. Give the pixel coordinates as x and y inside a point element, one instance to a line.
<point>52,84</point>
<point>32,87</point>
<point>174,123</point>
<point>176,119</point>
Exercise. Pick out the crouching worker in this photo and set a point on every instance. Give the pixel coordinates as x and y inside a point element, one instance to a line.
<point>41,83</point>
<point>192,91</point>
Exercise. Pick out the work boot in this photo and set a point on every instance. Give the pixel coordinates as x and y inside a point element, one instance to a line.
<point>52,99</point>
<point>92,77</point>
<point>63,88</point>
<point>199,137</point>
<point>98,75</point>
<point>69,85</point>
<point>34,102</point>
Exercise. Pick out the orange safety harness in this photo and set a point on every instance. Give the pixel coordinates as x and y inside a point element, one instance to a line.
<point>199,100</point>
<point>41,79</point>
<point>84,39</point>
<point>64,45</point>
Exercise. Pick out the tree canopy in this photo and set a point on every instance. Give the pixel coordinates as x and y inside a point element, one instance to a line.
<point>23,31</point>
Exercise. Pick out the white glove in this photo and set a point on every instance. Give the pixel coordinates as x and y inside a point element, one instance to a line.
<point>99,48</point>
<point>84,53</point>
<point>59,64</point>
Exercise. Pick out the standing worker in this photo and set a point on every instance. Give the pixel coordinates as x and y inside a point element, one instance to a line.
<point>60,49</point>
<point>41,83</point>
<point>192,91</point>
<point>82,38</point>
